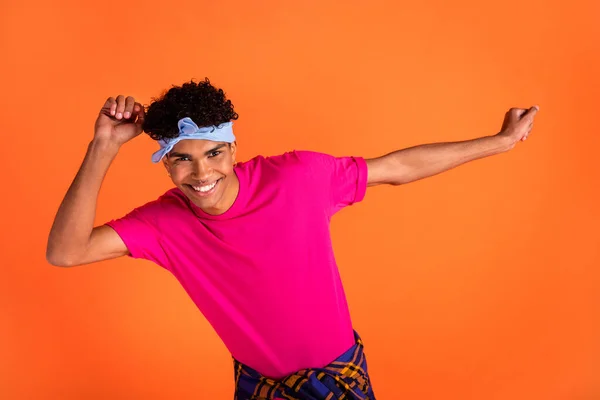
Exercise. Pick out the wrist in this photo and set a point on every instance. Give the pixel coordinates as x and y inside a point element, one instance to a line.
<point>504,142</point>
<point>104,146</point>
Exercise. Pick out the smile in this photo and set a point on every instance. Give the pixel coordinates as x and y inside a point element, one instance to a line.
<point>206,189</point>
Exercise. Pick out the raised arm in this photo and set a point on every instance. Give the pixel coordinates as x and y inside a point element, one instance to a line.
<point>414,163</point>
<point>73,239</point>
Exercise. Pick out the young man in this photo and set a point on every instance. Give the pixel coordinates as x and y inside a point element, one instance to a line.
<point>249,241</point>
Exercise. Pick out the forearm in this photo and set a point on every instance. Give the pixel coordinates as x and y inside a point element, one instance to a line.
<point>414,163</point>
<point>74,220</point>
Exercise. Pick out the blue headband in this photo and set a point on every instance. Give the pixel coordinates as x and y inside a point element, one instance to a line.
<point>189,130</point>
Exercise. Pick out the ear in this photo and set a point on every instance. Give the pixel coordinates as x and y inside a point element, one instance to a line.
<point>166,165</point>
<point>233,149</point>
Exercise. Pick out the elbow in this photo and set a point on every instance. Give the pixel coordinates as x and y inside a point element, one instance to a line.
<point>397,183</point>
<point>58,259</point>
<point>60,253</point>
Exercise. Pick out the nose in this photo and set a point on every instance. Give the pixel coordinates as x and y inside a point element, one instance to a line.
<point>202,170</point>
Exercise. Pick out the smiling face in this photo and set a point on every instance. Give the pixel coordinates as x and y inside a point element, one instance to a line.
<point>203,170</point>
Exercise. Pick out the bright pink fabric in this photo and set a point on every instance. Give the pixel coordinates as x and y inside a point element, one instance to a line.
<point>263,273</point>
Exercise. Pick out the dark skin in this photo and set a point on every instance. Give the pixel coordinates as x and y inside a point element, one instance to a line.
<point>74,240</point>
<point>200,164</point>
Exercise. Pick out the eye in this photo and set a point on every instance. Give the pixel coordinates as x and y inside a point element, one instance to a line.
<point>182,159</point>
<point>215,153</point>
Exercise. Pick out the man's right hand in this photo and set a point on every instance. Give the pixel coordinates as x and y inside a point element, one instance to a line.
<point>120,120</point>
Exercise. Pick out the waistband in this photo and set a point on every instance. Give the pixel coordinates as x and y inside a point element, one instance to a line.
<point>346,377</point>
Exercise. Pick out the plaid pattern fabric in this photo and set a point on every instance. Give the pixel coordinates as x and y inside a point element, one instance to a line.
<point>344,379</point>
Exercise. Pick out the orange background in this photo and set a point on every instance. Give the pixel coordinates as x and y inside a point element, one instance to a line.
<point>480,283</point>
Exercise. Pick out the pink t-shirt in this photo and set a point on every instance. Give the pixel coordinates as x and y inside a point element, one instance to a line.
<point>263,273</point>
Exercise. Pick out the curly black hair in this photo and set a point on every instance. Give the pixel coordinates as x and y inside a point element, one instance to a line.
<point>205,104</point>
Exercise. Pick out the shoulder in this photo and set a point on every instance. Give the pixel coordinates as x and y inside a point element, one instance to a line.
<point>165,204</point>
<point>302,163</point>
<point>292,158</point>
<point>261,172</point>
<point>270,166</point>
<point>319,163</point>
<point>172,198</point>
<point>306,162</point>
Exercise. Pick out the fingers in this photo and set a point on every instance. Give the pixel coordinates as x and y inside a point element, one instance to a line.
<point>120,106</point>
<point>529,128</point>
<point>138,110</point>
<point>108,103</point>
<point>521,113</point>
<point>123,107</point>
<point>528,119</point>
<point>531,113</point>
<point>526,115</point>
<point>514,114</point>
<point>129,102</point>
<point>516,111</point>
<point>109,106</point>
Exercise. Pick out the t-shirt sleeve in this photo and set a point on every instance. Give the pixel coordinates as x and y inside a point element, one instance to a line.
<point>140,233</point>
<point>343,179</point>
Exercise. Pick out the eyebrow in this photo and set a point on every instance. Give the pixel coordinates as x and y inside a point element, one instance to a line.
<point>176,154</point>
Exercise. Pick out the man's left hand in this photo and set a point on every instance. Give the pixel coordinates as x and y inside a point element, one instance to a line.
<point>518,123</point>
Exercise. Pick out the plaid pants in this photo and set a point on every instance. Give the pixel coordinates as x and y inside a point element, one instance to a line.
<point>345,378</point>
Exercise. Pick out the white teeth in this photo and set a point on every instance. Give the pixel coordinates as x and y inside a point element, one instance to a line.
<point>204,188</point>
